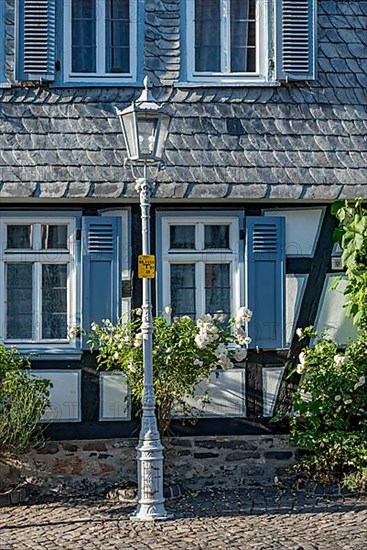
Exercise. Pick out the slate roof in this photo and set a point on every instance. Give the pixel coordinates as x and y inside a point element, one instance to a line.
<point>296,141</point>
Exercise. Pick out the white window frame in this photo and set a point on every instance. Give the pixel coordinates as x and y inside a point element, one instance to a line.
<point>262,47</point>
<point>201,256</point>
<point>100,75</point>
<point>34,255</point>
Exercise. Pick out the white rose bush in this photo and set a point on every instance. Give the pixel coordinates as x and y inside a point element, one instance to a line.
<point>185,352</point>
<point>330,409</point>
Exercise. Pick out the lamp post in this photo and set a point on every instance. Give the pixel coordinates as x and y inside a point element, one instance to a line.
<point>145,128</point>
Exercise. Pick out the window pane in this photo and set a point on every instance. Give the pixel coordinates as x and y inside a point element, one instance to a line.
<point>54,236</point>
<point>19,301</point>
<point>207,35</point>
<point>217,289</point>
<point>19,236</point>
<point>243,35</point>
<point>84,36</point>
<point>54,301</point>
<point>183,290</point>
<point>117,36</point>
<point>216,236</point>
<point>182,236</point>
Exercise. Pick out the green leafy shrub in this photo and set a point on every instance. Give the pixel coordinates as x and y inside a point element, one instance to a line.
<point>23,401</point>
<point>330,408</point>
<point>184,354</point>
<point>352,237</point>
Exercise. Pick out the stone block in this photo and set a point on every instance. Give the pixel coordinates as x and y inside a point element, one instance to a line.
<point>95,446</point>
<point>278,455</point>
<point>107,468</point>
<point>70,447</point>
<point>49,448</point>
<point>252,471</point>
<point>184,452</point>
<point>241,455</point>
<point>205,455</point>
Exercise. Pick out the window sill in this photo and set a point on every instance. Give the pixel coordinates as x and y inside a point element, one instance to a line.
<point>45,354</point>
<point>227,84</point>
<point>96,84</point>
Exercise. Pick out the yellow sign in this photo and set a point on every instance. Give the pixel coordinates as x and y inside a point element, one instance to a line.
<point>146,267</point>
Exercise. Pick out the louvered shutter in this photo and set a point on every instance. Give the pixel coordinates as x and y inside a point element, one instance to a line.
<point>265,257</point>
<point>101,270</point>
<point>35,40</point>
<point>295,32</point>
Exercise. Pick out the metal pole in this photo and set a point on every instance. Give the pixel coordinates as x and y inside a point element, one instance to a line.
<point>149,450</point>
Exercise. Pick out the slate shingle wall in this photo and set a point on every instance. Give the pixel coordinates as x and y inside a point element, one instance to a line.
<point>297,141</point>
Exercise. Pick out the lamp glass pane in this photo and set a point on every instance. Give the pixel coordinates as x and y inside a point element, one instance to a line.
<point>162,135</point>
<point>147,128</point>
<point>131,138</point>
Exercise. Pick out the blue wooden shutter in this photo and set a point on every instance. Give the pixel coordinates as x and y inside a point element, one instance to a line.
<point>265,257</point>
<point>295,32</point>
<point>101,269</point>
<point>35,40</point>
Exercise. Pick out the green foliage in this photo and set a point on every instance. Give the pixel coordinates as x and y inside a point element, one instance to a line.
<point>331,402</point>
<point>352,237</point>
<point>330,407</point>
<point>23,400</point>
<point>356,481</point>
<point>10,360</point>
<point>184,353</point>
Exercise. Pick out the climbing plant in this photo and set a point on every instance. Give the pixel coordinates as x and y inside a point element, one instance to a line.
<point>351,234</point>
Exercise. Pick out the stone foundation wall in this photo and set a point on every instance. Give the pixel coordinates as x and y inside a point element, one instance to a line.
<point>193,462</point>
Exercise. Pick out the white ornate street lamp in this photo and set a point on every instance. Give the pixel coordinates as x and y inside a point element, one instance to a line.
<point>145,127</point>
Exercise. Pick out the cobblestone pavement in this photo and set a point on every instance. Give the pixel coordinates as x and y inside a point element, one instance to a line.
<point>248,519</point>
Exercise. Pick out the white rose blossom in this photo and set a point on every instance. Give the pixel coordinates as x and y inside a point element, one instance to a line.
<point>299,333</point>
<point>221,351</point>
<point>242,337</point>
<point>340,360</point>
<point>200,341</point>
<point>240,355</point>
<point>305,396</point>
<point>302,358</point>
<point>243,316</point>
<point>300,368</point>
<point>225,363</point>
<point>168,310</point>
<point>138,340</point>
<point>220,316</point>
<point>361,381</point>
<point>116,355</point>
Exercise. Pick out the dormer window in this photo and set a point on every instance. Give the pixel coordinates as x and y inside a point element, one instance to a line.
<point>225,36</point>
<point>99,40</point>
<point>250,41</point>
<point>228,39</point>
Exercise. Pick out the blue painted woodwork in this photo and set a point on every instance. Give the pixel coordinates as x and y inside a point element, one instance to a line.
<point>35,40</point>
<point>265,259</point>
<point>101,270</point>
<point>295,36</point>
